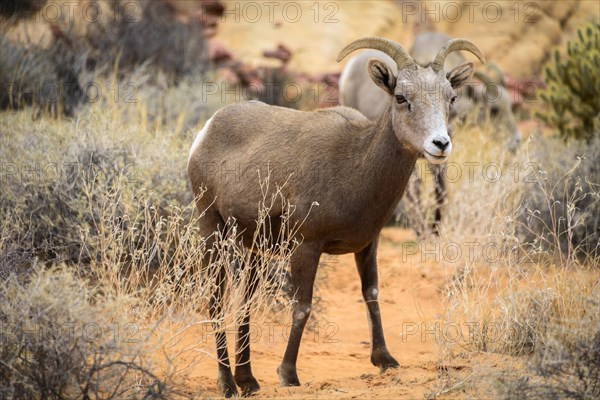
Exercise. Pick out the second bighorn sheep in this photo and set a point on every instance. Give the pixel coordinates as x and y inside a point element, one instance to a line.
<point>364,168</point>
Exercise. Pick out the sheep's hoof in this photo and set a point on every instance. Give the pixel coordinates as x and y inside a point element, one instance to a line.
<point>248,384</point>
<point>227,385</point>
<point>288,375</point>
<point>384,360</point>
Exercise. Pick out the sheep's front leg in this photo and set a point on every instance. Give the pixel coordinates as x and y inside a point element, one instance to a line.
<point>366,262</point>
<point>304,263</point>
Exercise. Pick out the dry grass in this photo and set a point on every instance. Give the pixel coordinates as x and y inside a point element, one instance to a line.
<point>526,281</point>
<point>107,199</point>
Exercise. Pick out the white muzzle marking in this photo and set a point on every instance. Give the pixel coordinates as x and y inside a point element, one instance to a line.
<point>434,153</point>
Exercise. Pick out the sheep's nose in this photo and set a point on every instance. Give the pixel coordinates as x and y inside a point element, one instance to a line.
<point>441,143</point>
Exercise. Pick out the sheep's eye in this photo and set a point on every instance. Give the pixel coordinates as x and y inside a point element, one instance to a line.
<point>494,111</point>
<point>453,100</point>
<point>400,99</point>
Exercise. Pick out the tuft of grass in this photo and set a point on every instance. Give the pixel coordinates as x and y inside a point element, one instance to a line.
<point>561,214</point>
<point>568,367</point>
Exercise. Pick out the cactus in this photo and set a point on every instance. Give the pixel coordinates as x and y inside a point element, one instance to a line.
<point>572,95</point>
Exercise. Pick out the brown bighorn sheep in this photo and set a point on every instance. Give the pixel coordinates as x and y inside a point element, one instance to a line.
<point>357,90</point>
<point>364,167</point>
<point>490,94</point>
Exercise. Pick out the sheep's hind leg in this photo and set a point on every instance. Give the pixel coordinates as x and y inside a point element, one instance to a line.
<point>440,197</point>
<point>243,371</point>
<point>225,377</point>
<point>211,221</point>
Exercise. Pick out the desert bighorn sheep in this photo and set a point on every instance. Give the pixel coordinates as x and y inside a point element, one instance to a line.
<point>490,94</point>
<point>356,90</point>
<point>364,164</point>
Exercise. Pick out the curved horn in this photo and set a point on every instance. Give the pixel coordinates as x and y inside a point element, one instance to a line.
<point>392,49</point>
<point>454,45</point>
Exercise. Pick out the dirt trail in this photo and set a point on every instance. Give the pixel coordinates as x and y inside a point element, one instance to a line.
<point>334,359</point>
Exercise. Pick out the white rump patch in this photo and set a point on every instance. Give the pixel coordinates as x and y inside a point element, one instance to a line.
<point>200,136</point>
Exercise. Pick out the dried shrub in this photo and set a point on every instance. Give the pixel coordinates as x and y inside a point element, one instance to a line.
<point>541,221</point>
<point>59,78</point>
<point>62,339</point>
<point>45,202</point>
<point>560,216</point>
<point>47,78</point>
<point>567,367</point>
<point>154,38</point>
<point>100,197</point>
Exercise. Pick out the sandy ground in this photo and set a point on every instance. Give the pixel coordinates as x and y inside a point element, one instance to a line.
<point>334,355</point>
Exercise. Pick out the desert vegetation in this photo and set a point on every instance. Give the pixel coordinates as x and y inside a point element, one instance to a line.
<point>101,294</point>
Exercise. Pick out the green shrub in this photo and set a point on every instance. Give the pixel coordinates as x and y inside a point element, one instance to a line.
<point>573,93</point>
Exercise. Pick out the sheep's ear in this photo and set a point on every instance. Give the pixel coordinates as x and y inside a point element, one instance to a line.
<point>461,74</point>
<point>382,75</point>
